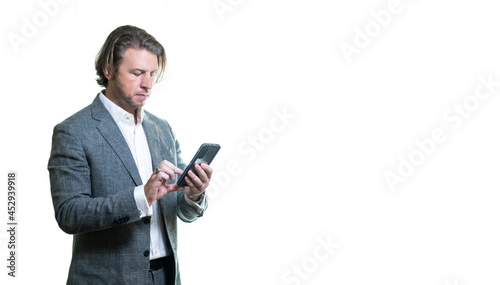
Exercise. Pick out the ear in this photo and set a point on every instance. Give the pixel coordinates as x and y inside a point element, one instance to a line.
<point>107,72</point>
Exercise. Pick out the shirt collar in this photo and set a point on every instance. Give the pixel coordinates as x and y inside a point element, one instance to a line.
<point>118,113</point>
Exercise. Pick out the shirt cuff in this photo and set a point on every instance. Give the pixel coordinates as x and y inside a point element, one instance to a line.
<point>199,205</point>
<point>142,203</point>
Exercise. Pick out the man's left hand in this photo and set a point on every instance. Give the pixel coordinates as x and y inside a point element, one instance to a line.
<point>198,185</point>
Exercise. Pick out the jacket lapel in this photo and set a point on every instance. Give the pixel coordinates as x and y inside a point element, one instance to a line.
<point>111,133</point>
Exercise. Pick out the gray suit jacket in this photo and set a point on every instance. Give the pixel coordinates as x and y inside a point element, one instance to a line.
<point>93,176</point>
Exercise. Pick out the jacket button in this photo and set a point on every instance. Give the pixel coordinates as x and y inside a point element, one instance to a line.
<point>146,220</point>
<point>146,253</point>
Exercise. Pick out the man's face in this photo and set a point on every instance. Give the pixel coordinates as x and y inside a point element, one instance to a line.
<point>132,84</point>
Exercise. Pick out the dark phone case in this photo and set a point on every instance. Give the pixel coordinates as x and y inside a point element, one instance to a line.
<point>206,154</point>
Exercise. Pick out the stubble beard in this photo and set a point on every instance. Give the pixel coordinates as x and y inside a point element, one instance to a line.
<point>129,100</point>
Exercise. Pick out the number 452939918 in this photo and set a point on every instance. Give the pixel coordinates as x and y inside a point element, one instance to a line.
<point>11,196</point>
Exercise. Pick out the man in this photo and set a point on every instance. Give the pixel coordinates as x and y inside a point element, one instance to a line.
<point>121,212</point>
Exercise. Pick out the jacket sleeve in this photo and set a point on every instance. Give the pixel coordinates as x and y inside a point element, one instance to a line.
<point>77,209</point>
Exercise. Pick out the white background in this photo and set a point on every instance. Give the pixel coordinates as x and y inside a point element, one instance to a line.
<point>320,175</point>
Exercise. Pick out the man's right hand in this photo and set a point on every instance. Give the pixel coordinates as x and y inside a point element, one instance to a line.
<point>157,187</point>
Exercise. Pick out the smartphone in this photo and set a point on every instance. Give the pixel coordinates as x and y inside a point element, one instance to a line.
<point>205,154</point>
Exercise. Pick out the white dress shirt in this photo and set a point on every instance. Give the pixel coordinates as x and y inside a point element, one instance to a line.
<point>136,139</point>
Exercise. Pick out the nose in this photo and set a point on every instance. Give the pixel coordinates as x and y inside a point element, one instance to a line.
<point>147,81</point>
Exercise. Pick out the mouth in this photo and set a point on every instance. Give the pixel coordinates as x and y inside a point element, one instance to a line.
<point>142,96</point>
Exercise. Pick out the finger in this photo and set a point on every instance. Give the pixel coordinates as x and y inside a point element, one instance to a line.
<point>161,177</point>
<point>155,187</point>
<point>189,183</point>
<point>201,173</point>
<point>168,168</point>
<point>178,171</point>
<point>174,169</point>
<point>157,170</point>
<point>192,187</point>
<point>208,170</point>
<point>195,179</point>
<point>164,189</point>
<point>174,187</point>
<point>168,164</point>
